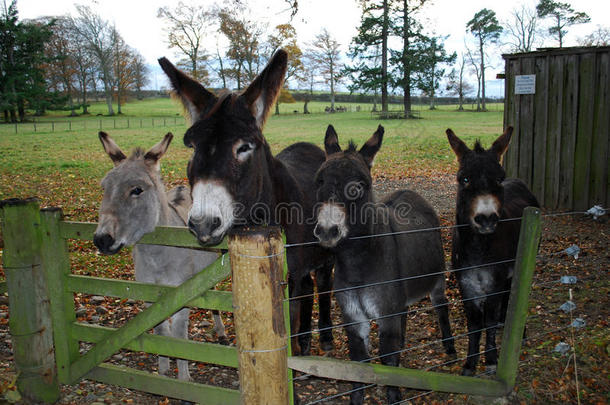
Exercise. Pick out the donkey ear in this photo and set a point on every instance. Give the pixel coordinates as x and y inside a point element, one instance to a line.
<point>331,141</point>
<point>501,144</point>
<point>458,146</point>
<point>111,148</point>
<point>193,95</point>
<point>156,152</point>
<point>371,147</point>
<point>263,91</point>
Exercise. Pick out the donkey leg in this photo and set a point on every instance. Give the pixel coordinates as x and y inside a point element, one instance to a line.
<point>180,329</point>
<point>493,316</point>
<point>163,329</point>
<point>305,287</point>
<point>391,341</point>
<point>324,281</point>
<point>439,301</point>
<point>474,318</point>
<point>358,343</point>
<point>219,328</point>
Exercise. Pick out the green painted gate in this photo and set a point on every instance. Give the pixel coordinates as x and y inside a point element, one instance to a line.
<point>36,254</point>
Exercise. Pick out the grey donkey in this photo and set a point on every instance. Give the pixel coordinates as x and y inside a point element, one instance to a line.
<point>134,203</point>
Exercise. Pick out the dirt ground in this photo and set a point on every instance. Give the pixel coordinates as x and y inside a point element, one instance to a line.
<point>545,377</point>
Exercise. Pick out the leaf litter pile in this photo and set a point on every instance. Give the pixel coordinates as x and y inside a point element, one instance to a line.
<point>545,376</point>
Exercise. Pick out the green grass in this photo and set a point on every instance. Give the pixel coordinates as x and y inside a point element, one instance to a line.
<point>64,168</point>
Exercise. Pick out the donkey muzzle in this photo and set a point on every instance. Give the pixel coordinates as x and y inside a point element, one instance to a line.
<point>485,224</point>
<point>105,242</point>
<point>203,229</point>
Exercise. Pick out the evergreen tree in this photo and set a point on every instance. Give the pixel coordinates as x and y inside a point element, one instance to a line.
<point>22,83</point>
<point>429,75</point>
<point>370,49</point>
<point>485,27</point>
<point>563,16</point>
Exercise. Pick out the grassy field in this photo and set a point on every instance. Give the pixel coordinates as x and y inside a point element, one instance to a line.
<point>63,168</point>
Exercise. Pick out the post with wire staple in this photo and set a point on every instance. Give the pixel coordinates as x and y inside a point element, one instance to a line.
<point>516,314</point>
<point>257,257</point>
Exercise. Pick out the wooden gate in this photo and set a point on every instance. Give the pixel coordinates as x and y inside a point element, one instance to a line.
<point>43,321</point>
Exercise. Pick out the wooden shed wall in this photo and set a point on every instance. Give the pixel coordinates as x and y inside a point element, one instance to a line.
<point>560,146</point>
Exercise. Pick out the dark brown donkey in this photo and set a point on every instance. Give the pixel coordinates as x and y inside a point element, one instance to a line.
<point>377,245</point>
<point>235,180</point>
<point>484,199</point>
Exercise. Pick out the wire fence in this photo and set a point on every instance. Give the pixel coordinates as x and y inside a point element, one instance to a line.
<point>566,281</point>
<point>90,124</point>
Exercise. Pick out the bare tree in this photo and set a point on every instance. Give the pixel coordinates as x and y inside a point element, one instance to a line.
<point>97,35</point>
<point>123,68</point>
<point>186,26</point>
<point>599,37</point>
<point>324,51</point>
<point>309,78</point>
<point>141,72</point>
<point>521,29</point>
<point>456,83</point>
<point>475,64</point>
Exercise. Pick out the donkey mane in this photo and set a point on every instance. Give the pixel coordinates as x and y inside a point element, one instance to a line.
<point>351,147</point>
<point>478,148</point>
<point>137,153</point>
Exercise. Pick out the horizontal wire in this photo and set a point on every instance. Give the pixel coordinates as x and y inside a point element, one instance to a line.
<point>430,307</point>
<point>449,271</point>
<point>318,330</point>
<point>556,214</point>
<point>399,279</point>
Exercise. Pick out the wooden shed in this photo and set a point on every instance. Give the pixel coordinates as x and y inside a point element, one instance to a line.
<point>558,101</point>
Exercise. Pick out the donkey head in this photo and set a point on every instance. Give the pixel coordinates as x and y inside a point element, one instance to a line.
<point>343,187</point>
<point>228,171</point>
<point>133,195</point>
<point>480,191</point>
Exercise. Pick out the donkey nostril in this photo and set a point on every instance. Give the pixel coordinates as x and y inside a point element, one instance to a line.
<point>479,219</point>
<point>334,231</point>
<point>103,242</point>
<point>215,223</point>
<point>316,231</point>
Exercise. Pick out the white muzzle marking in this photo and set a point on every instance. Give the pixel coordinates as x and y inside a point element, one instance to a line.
<point>485,205</point>
<point>211,199</point>
<point>333,214</point>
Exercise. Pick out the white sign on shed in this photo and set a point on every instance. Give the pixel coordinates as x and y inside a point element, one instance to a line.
<point>525,84</point>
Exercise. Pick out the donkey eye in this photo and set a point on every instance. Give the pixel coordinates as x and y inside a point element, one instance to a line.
<point>136,191</point>
<point>465,181</point>
<point>244,148</point>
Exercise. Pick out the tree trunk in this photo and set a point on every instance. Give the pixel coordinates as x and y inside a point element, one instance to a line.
<point>332,88</point>
<point>482,73</point>
<point>108,95</point>
<point>305,110</point>
<point>384,57</point>
<point>277,108</point>
<point>406,74</point>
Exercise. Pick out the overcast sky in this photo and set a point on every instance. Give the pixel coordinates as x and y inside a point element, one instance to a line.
<point>137,22</point>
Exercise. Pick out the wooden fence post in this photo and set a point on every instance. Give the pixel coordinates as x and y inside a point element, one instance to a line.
<point>30,322</point>
<point>516,314</point>
<point>257,262</point>
<point>56,267</point>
